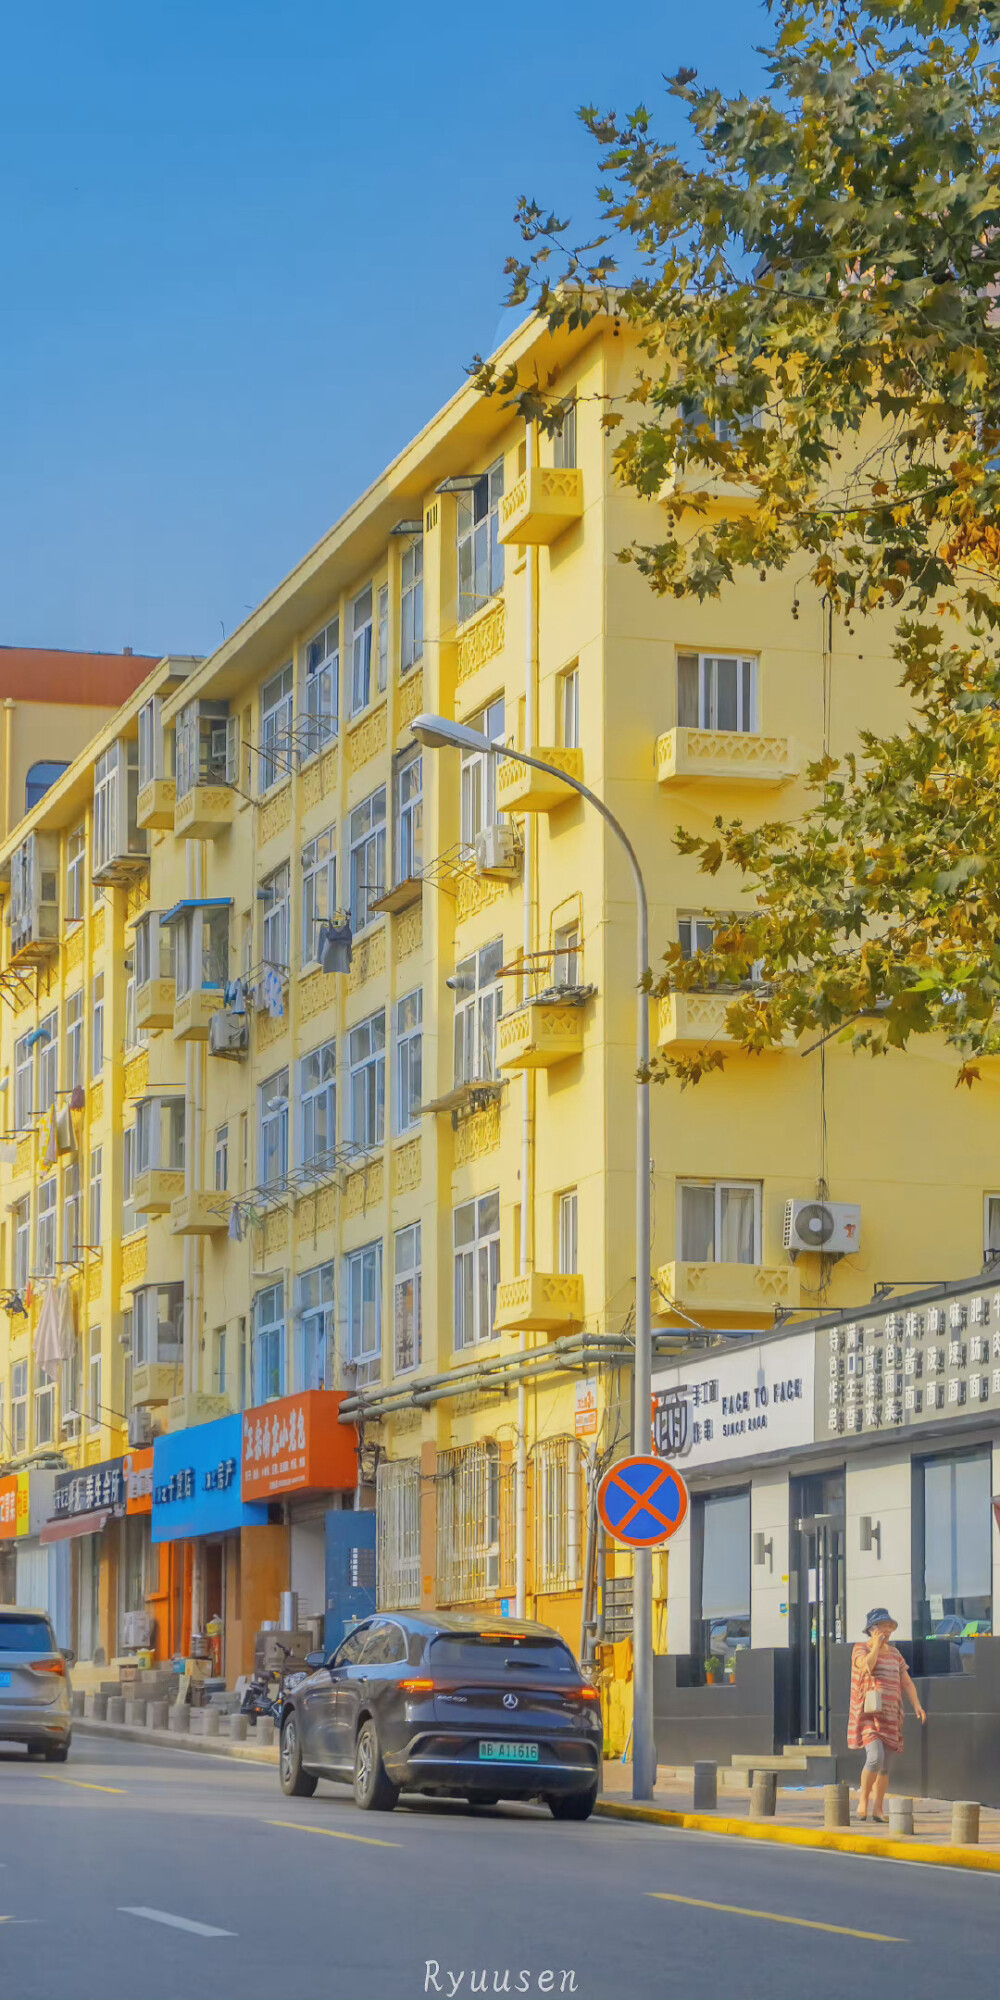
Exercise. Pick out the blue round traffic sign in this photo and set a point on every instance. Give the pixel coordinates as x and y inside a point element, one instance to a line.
<point>642,1501</point>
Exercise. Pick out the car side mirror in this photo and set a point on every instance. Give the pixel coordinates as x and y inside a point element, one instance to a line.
<point>316,1660</point>
<point>69,1656</point>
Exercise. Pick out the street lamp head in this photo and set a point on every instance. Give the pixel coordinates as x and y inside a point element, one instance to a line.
<point>435,732</point>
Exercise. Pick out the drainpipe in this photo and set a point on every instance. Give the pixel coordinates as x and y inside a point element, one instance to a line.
<point>527,1077</point>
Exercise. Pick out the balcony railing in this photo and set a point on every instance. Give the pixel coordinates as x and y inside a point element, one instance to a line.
<point>726,1288</point>
<point>542,504</point>
<point>540,1302</point>
<point>521,789</point>
<point>724,756</point>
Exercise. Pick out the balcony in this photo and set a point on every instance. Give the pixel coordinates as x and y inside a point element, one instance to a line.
<point>155,804</point>
<point>200,1213</point>
<point>690,1020</point>
<point>724,756</point>
<point>727,1288</point>
<point>156,1188</point>
<point>193,1012</point>
<point>520,789</point>
<point>540,1033</point>
<point>155,1000</point>
<point>401,896</point>
<point>540,1302</point>
<point>546,500</point>
<point>153,1382</point>
<point>204,812</point>
<point>198,1407</point>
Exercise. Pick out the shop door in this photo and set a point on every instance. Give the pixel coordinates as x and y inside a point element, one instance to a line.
<point>820,1617</point>
<point>350,1570</point>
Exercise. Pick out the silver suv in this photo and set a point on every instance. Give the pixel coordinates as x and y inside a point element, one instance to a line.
<point>34,1684</point>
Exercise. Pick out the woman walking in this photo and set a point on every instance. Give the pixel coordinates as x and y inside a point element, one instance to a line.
<point>879,1680</point>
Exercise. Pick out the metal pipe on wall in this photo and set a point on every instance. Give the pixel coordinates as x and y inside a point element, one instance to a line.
<point>527,1078</point>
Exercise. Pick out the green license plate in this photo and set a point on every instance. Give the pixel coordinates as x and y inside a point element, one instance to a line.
<point>508,1753</point>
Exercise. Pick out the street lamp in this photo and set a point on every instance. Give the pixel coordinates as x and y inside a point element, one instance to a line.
<point>435,732</point>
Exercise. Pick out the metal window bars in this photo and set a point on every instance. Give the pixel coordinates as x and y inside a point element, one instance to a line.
<point>397,1533</point>
<point>326,1169</point>
<point>475,1521</point>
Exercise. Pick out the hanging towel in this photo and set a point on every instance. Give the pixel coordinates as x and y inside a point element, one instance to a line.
<point>8,1152</point>
<point>65,1134</point>
<point>236,1225</point>
<point>235,997</point>
<point>48,1352</point>
<point>272,995</point>
<point>65,1321</point>
<point>50,1150</point>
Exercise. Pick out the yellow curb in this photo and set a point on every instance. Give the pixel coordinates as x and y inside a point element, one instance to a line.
<point>934,1852</point>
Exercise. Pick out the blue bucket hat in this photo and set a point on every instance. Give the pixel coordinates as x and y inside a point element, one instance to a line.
<point>880,1616</point>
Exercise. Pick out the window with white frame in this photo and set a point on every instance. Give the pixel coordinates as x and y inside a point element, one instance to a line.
<point>72,1240</point>
<point>366,1063</point>
<point>48,1062</point>
<point>557,1485</point>
<point>70,1390</point>
<point>411,605</point>
<point>480,550</point>
<point>275,895</point>
<point>564,441</point>
<point>568,708</point>
<point>695,933</point>
<point>569,1247</point>
<point>406,1299</point>
<point>408,783</point>
<point>383,638</point>
<point>479,799</point>
<point>129,1217</point>
<point>76,871</point>
<point>221,1158</point>
<point>364,1311</point>
<point>319,890</point>
<point>19,1407</point>
<point>154,949</point>
<point>366,847</point>
<point>269,1343</point>
<point>318,1106</point>
<point>361,651</point>
<point>273,1129</point>
<point>97,1027</point>
<point>409,1063</point>
<point>45,1408</point>
<point>95,1224</point>
<point>21,1217</point>
<point>45,1235</point>
<point>322,685</point>
<point>719,1222</point>
<point>95,1413</point>
<point>135,1037</point>
<point>158,1324</point>
<point>74,1039</point>
<point>315,1322</point>
<point>152,747</point>
<point>478,992</point>
<point>276,701</point>
<point>717,692</point>
<point>105,821</point>
<point>160,1124</point>
<point>477,1268</point>
<point>567,955</point>
<point>24,1082</point>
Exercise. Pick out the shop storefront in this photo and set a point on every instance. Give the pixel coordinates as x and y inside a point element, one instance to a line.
<point>296,1451</point>
<point>209,1545</point>
<point>83,1534</point>
<point>135,1616</point>
<point>29,1573</point>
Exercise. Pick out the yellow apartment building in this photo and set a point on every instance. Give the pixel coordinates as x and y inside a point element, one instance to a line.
<point>409,1179</point>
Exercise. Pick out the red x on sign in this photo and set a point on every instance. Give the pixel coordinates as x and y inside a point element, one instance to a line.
<point>642,1502</point>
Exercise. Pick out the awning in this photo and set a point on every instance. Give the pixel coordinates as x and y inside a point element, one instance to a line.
<point>78,1524</point>
<point>195,903</point>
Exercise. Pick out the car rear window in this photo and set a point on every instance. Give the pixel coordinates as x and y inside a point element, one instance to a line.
<point>26,1635</point>
<point>502,1649</point>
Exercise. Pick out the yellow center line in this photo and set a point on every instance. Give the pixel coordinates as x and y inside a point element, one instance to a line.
<point>774,1917</point>
<point>333,1833</point>
<point>83,1785</point>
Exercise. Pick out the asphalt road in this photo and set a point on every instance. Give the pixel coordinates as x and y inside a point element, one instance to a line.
<point>109,1866</point>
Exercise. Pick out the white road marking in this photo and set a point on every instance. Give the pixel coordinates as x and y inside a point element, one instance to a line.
<point>177,1923</point>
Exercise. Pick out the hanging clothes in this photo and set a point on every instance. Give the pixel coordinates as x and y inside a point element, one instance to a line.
<point>78,1098</point>
<point>65,1131</point>
<point>47,1344</point>
<point>50,1151</point>
<point>236,1226</point>
<point>66,1320</point>
<point>8,1152</point>
<point>272,995</point>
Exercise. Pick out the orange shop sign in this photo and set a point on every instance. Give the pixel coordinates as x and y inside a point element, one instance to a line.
<point>15,1506</point>
<point>139,1481</point>
<point>296,1445</point>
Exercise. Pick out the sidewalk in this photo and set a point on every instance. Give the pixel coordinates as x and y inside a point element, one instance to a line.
<point>798,1820</point>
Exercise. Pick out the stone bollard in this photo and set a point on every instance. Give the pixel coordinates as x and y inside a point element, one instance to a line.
<point>238,1727</point>
<point>156,1714</point>
<point>265,1730</point>
<point>116,1708</point>
<point>763,1794</point>
<point>213,1722</point>
<point>836,1805</point>
<point>95,1706</point>
<point>135,1711</point>
<point>76,1701</point>
<point>179,1718</point>
<point>706,1786</point>
<point>900,1817</point>
<point>965,1823</point>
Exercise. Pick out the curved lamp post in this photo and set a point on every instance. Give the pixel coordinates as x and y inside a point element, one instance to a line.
<point>435,732</point>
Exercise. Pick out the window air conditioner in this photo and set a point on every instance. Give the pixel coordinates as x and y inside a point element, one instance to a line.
<point>829,1228</point>
<point>495,852</point>
<point>140,1429</point>
<point>228,1034</point>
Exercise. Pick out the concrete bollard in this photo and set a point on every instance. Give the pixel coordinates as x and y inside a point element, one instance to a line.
<point>95,1706</point>
<point>135,1711</point>
<point>76,1701</point>
<point>265,1730</point>
<point>156,1714</point>
<point>965,1823</point>
<point>900,1818</point>
<point>706,1786</point>
<point>179,1718</point>
<point>116,1708</point>
<point>836,1805</point>
<point>238,1728</point>
<point>213,1722</point>
<point>763,1794</point>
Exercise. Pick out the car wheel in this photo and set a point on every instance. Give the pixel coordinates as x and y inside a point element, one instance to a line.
<point>572,1805</point>
<point>295,1782</point>
<point>374,1791</point>
<point>56,1753</point>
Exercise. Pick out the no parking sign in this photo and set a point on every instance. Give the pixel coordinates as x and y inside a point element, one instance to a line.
<point>642,1502</point>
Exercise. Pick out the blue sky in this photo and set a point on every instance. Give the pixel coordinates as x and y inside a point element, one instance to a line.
<point>246,250</point>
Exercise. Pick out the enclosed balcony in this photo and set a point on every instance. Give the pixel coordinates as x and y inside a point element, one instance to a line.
<point>154,971</point>
<point>157,795</point>
<point>543,503</point>
<point>724,756</point>
<point>155,805</point>
<point>540,1033</point>
<point>153,1382</point>
<point>726,1288</point>
<point>206,758</point>
<point>540,1302</point>
<point>159,1152</point>
<point>202,1212</point>
<point>200,1406</point>
<point>200,927</point>
<point>522,789</point>
<point>157,1342</point>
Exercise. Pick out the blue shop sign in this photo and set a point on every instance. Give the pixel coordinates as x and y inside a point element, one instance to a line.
<point>196,1482</point>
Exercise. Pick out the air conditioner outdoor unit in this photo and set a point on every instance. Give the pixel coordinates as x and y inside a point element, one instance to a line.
<point>140,1429</point>
<point>831,1228</point>
<point>495,852</point>
<point>228,1034</point>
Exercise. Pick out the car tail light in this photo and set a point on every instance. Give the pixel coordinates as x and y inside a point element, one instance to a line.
<point>57,1666</point>
<point>420,1686</point>
<point>587,1693</point>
